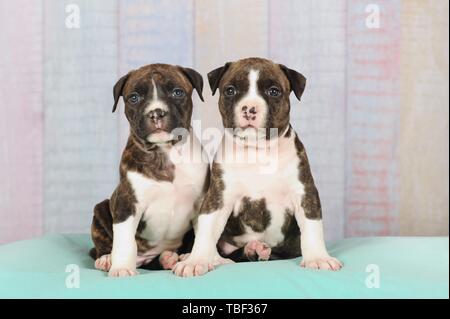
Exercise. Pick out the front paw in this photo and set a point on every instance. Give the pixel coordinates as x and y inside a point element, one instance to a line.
<point>122,272</point>
<point>326,262</point>
<point>192,266</point>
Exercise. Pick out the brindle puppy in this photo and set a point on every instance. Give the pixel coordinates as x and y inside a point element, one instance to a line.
<point>254,211</point>
<point>161,180</point>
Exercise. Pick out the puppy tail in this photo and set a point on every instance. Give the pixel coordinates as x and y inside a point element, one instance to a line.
<point>93,253</point>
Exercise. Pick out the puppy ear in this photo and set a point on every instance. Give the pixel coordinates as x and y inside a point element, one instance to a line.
<point>118,87</point>
<point>196,80</point>
<point>216,75</point>
<point>296,79</point>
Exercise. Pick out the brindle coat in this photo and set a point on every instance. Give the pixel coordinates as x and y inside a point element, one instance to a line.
<point>253,212</point>
<point>140,155</point>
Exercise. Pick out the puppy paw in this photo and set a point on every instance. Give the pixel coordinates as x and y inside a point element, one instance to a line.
<point>327,263</point>
<point>103,263</point>
<point>122,272</point>
<point>256,250</point>
<point>183,257</point>
<point>168,259</point>
<point>191,266</point>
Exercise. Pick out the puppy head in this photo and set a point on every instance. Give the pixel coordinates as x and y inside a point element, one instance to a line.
<point>158,99</point>
<point>254,96</point>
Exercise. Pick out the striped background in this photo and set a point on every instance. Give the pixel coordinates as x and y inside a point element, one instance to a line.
<point>374,116</point>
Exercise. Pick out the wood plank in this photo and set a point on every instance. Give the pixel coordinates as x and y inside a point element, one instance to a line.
<point>153,31</point>
<point>81,143</point>
<point>21,122</point>
<point>424,120</point>
<point>373,110</point>
<point>226,31</point>
<point>310,37</point>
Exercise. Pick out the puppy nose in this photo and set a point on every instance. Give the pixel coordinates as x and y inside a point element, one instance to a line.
<point>157,114</point>
<point>249,112</point>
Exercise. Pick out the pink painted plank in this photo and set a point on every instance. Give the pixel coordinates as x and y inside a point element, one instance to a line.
<point>21,121</point>
<point>373,111</point>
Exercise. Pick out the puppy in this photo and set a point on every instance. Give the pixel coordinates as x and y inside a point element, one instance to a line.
<point>252,210</point>
<point>161,183</point>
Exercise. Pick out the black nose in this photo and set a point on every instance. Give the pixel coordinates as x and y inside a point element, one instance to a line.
<point>157,114</point>
<point>249,113</point>
<point>251,110</point>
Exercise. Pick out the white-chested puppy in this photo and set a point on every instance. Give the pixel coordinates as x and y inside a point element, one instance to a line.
<point>162,173</point>
<point>262,202</point>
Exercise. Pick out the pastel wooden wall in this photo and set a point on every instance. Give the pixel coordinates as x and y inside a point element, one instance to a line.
<point>21,120</point>
<point>226,31</point>
<point>374,116</point>
<point>310,37</point>
<point>373,113</point>
<point>424,144</point>
<point>153,32</point>
<point>80,134</point>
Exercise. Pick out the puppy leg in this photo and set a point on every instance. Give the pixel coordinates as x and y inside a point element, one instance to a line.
<point>214,212</point>
<point>124,250</point>
<point>312,241</point>
<point>101,233</point>
<point>204,256</point>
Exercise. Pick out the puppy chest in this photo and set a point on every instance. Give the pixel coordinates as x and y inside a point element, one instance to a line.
<point>275,190</point>
<point>158,208</point>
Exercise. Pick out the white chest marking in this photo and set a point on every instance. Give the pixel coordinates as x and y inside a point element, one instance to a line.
<point>280,188</point>
<point>168,207</point>
<point>155,204</point>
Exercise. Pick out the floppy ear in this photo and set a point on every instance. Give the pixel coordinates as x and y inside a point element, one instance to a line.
<point>118,87</point>
<point>216,75</point>
<point>296,79</point>
<point>196,80</point>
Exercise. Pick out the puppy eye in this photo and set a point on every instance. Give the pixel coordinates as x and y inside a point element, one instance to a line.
<point>178,93</point>
<point>134,98</point>
<point>274,92</point>
<point>230,91</point>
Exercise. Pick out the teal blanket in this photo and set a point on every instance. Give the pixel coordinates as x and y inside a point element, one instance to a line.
<point>58,266</point>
